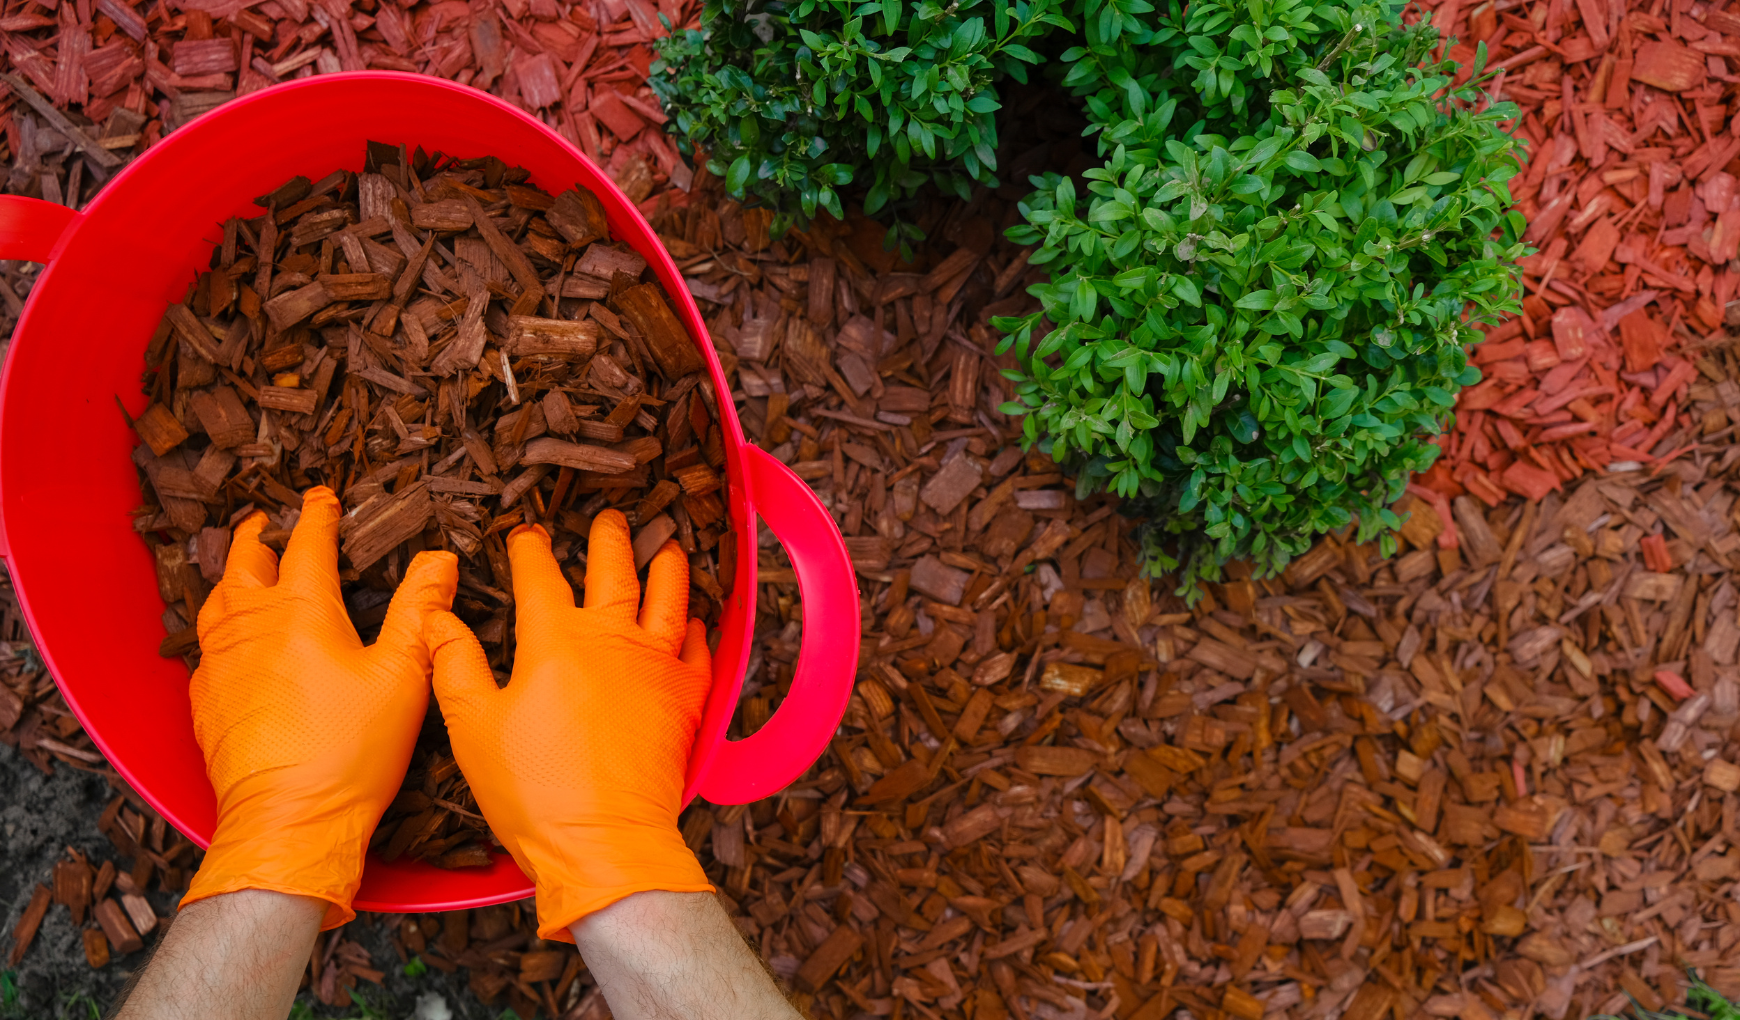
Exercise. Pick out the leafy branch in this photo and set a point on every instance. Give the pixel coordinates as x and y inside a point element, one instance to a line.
<point>1257,310</point>
<point>797,101</point>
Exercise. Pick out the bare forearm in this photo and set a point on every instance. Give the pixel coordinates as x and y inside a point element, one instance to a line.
<point>663,954</point>
<point>237,956</point>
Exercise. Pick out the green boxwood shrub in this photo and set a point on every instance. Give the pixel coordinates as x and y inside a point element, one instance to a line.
<point>1258,306</point>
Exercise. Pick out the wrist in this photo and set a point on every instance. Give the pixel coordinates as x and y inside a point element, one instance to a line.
<point>300,846</point>
<point>670,954</point>
<point>245,950</point>
<point>603,931</point>
<point>582,868</point>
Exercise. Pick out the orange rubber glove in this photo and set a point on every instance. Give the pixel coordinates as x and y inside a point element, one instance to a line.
<point>578,762</point>
<point>306,733</point>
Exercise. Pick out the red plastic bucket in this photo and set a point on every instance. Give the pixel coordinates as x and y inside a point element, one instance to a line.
<point>87,583</point>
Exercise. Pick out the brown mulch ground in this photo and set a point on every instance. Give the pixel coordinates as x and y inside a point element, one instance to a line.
<point>1491,777</point>
<point>1494,775</point>
<point>1366,786</point>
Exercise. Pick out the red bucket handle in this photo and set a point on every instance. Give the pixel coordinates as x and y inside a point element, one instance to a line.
<point>769,759</point>
<point>31,229</point>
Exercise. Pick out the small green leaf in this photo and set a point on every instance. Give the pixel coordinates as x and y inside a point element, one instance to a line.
<point>737,176</point>
<point>1264,151</point>
<point>1186,290</point>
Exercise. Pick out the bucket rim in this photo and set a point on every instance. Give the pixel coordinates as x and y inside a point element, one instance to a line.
<point>218,120</point>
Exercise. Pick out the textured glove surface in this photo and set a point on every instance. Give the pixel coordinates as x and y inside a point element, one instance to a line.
<point>306,733</point>
<point>578,762</point>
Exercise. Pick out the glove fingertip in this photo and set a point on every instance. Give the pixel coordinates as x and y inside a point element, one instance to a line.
<point>252,525</point>
<point>430,583</point>
<point>672,551</point>
<point>433,574</point>
<point>249,563</point>
<point>666,609</point>
<point>610,537</point>
<point>320,515</point>
<point>695,652</point>
<point>460,666</point>
<point>319,496</point>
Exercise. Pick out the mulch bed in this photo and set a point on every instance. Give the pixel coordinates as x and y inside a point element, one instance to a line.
<point>1495,773</point>
<point>1631,199</point>
<point>93,83</point>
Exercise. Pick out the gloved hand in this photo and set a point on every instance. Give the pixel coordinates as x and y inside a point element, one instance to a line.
<point>306,733</point>
<point>578,762</point>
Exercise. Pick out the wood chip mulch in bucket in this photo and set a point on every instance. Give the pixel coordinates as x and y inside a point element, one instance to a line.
<point>535,373</point>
